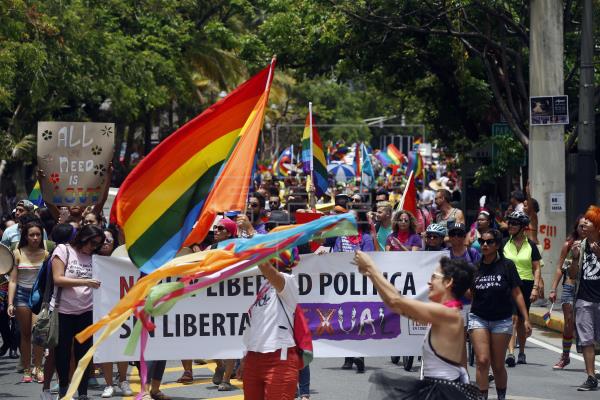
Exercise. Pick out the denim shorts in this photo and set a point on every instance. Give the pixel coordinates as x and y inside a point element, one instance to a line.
<point>22,296</point>
<point>501,326</point>
<point>568,294</point>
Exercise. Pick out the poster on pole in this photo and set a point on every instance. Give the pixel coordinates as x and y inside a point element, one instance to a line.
<point>74,157</point>
<point>549,110</point>
<point>345,314</point>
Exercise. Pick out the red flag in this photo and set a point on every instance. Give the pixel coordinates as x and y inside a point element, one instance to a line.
<point>409,197</point>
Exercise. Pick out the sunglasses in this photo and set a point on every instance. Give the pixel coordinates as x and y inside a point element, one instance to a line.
<point>108,241</point>
<point>514,223</point>
<point>488,242</point>
<point>431,237</point>
<point>253,205</point>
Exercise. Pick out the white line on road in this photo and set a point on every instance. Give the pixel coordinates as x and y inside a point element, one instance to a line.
<point>556,349</point>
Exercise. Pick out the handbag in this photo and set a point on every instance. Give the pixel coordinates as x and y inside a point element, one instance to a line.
<point>45,329</point>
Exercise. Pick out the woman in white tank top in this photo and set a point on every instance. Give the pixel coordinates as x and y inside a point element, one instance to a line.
<point>445,376</point>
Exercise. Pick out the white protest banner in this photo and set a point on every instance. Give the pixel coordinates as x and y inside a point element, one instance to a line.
<point>74,157</point>
<point>346,316</point>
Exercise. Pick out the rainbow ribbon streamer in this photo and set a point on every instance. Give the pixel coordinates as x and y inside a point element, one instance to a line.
<point>194,272</point>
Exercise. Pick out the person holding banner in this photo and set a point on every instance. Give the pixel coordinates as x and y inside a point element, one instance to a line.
<point>444,376</point>
<point>404,236</point>
<point>270,366</point>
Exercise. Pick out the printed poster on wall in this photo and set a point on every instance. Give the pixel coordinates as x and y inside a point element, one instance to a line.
<point>74,157</point>
<point>345,314</point>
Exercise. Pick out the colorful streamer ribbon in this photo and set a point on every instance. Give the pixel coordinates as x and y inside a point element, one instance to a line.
<point>147,298</point>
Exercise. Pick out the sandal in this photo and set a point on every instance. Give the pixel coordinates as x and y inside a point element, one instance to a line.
<point>39,376</point>
<point>224,387</point>
<point>186,378</point>
<point>159,396</point>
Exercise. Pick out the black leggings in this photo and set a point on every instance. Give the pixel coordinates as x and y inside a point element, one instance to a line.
<point>68,327</point>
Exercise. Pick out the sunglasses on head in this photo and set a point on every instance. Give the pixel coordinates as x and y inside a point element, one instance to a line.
<point>488,242</point>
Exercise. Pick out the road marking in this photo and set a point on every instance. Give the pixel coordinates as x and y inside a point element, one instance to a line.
<point>134,381</point>
<point>555,349</point>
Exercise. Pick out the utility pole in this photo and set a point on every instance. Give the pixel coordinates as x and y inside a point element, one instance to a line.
<point>546,142</point>
<point>586,145</point>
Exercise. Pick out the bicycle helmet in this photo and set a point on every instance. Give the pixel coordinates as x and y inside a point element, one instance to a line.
<point>437,229</point>
<point>520,217</point>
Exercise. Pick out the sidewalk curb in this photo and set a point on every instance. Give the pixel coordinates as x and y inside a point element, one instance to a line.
<point>555,324</point>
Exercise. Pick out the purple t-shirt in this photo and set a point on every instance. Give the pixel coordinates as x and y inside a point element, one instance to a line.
<point>77,299</point>
<point>342,244</point>
<point>413,240</point>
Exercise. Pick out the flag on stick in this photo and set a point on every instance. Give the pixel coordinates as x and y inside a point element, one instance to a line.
<point>36,195</point>
<point>284,158</point>
<point>548,315</point>
<point>162,198</point>
<point>408,201</point>
<point>395,155</point>
<point>313,156</point>
<point>368,175</point>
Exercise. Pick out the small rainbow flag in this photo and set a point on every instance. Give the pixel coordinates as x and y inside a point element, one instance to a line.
<point>415,164</point>
<point>313,156</point>
<point>395,155</point>
<point>548,315</point>
<point>383,158</point>
<point>36,195</point>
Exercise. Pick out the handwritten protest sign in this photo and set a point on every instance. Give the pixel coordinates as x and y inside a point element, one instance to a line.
<point>74,157</point>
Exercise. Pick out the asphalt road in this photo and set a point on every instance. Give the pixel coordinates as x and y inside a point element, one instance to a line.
<point>536,380</point>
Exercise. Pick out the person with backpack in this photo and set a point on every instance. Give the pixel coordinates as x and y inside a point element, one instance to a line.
<point>29,257</point>
<point>271,363</point>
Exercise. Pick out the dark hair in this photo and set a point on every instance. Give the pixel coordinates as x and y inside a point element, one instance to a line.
<point>62,233</point>
<point>29,217</point>
<point>260,198</point>
<point>115,234</point>
<point>573,236</point>
<point>362,223</point>
<point>447,195</point>
<point>534,203</point>
<point>98,216</point>
<point>412,225</point>
<point>47,219</point>
<point>382,192</point>
<point>518,195</point>
<point>497,235</point>
<point>25,228</point>
<point>461,273</point>
<point>85,234</point>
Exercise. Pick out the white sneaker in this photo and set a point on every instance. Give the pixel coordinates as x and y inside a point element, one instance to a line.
<point>125,388</point>
<point>108,392</point>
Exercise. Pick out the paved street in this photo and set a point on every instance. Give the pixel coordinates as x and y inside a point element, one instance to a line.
<point>536,380</point>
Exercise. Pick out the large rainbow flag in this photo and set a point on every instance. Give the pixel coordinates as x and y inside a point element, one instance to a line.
<point>161,200</point>
<point>313,156</point>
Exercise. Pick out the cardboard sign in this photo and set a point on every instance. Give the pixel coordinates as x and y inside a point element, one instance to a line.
<point>74,157</point>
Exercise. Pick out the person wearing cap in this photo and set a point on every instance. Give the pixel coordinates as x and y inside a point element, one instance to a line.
<point>458,246</point>
<point>270,364</point>
<point>12,234</point>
